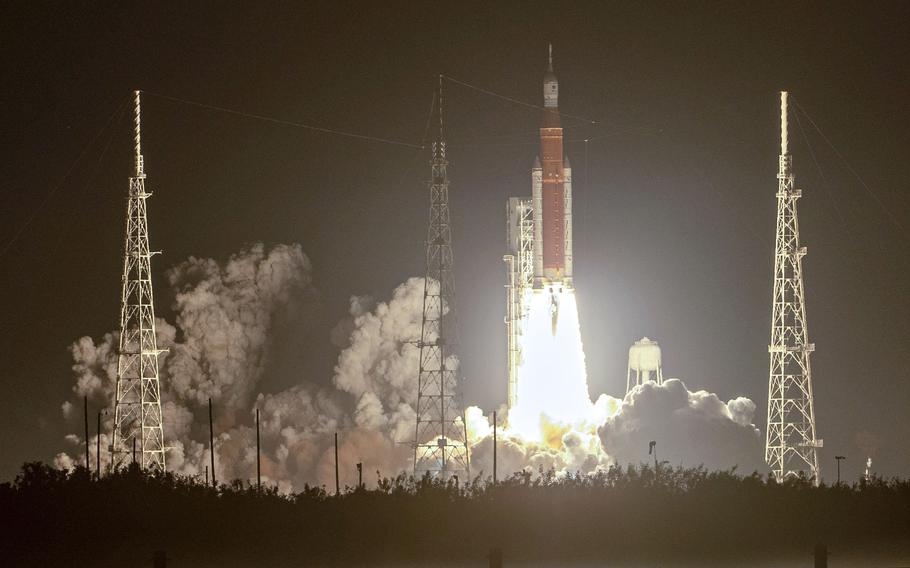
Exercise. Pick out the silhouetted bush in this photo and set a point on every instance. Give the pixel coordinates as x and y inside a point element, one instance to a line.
<point>52,518</point>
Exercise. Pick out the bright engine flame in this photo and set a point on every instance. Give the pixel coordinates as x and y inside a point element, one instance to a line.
<point>552,380</point>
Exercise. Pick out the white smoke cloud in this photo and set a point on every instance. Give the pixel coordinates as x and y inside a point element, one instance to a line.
<point>226,314</point>
<point>380,356</point>
<point>690,428</point>
<point>230,318</point>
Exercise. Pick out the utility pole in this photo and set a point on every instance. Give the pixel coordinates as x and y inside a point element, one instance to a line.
<point>212,444</point>
<point>494,447</point>
<point>98,448</point>
<point>838,459</point>
<point>337,484</point>
<point>360,475</point>
<point>439,445</point>
<point>88,463</point>
<point>790,444</point>
<point>137,400</point>
<point>258,470</point>
<point>820,556</point>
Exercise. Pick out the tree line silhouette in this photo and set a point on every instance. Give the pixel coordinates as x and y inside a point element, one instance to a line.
<point>623,514</point>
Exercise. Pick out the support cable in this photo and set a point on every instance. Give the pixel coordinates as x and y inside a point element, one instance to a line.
<point>423,142</point>
<point>516,101</point>
<point>285,122</point>
<point>60,183</point>
<point>91,180</point>
<point>821,174</point>
<point>865,186</point>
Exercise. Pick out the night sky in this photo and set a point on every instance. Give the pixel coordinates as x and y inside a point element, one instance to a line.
<point>674,192</point>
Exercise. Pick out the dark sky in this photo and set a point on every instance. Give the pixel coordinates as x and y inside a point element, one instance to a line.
<point>674,204</point>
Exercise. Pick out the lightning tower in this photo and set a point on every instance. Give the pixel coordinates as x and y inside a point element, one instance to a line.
<point>441,437</point>
<point>137,427</point>
<point>791,445</point>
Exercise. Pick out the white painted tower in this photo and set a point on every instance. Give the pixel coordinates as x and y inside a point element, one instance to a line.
<point>645,364</point>
<point>791,444</point>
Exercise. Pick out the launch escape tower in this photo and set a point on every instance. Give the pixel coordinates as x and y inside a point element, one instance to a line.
<point>441,436</point>
<point>137,429</point>
<point>791,446</point>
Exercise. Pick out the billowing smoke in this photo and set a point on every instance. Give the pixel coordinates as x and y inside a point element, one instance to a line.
<point>234,322</point>
<point>690,428</point>
<point>227,316</point>
<point>378,365</point>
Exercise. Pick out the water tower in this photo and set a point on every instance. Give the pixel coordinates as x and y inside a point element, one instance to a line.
<point>644,364</point>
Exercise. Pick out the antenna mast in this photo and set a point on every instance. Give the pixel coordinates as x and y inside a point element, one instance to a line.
<point>137,406</point>
<point>791,446</point>
<point>440,443</point>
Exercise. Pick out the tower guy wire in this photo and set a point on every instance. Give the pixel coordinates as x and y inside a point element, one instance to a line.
<point>885,209</point>
<point>295,124</point>
<point>50,194</point>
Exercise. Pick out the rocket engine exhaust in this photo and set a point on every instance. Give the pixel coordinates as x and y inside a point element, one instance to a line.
<point>554,310</point>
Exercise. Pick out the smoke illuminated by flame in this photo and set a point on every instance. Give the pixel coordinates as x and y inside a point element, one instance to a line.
<point>552,382</point>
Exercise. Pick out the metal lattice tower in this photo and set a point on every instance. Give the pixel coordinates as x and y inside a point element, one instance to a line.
<point>520,273</point>
<point>791,445</point>
<point>440,443</point>
<point>137,406</point>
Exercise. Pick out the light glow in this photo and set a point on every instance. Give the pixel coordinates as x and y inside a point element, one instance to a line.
<point>553,396</point>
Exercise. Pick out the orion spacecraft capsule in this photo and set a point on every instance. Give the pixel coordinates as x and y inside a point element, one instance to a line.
<point>551,191</point>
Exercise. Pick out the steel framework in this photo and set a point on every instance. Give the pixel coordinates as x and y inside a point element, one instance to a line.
<point>520,272</point>
<point>791,445</point>
<point>441,436</point>
<point>137,406</point>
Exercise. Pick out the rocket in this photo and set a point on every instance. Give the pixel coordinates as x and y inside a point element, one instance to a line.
<point>551,189</point>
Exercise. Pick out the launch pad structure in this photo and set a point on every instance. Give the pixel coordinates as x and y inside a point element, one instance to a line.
<point>440,443</point>
<point>520,274</point>
<point>137,402</point>
<point>791,445</point>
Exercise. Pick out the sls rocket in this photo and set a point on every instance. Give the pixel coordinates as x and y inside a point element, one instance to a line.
<point>551,190</point>
<point>539,235</point>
